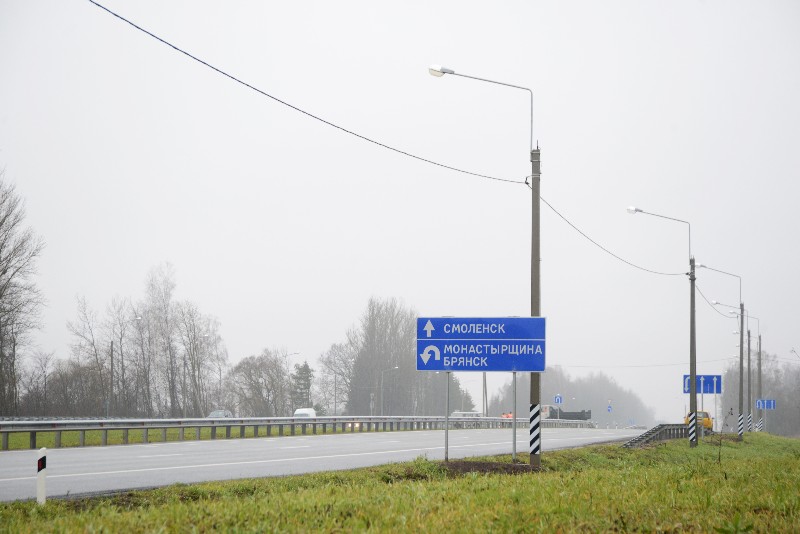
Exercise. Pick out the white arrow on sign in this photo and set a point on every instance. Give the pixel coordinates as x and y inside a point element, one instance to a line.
<point>686,385</point>
<point>428,329</point>
<point>429,351</point>
<point>702,384</point>
<point>715,385</point>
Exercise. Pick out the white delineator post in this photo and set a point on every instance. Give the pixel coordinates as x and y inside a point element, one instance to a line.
<point>41,468</point>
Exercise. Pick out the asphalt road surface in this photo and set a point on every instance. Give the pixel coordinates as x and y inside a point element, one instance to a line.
<point>77,471</point>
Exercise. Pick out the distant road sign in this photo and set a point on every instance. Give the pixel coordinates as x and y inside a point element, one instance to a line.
<point>705,384</point>
<point>559,399</point>
<point>609,408</point>
<point>766,404</point>
<point>481,344</point>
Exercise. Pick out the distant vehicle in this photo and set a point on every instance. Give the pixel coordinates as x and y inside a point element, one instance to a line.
<point>217,414</point>
<point>305,412</point>
<point>703,418</point>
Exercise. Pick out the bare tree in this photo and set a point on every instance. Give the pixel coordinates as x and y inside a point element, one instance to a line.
<point>20,298</point>
<point>260,385</point>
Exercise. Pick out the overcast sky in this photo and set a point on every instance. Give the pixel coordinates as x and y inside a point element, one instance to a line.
<point>130,154</point>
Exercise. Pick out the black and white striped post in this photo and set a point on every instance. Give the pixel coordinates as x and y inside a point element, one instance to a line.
<point>535,430</point>
<point>741,426</point>
<point>750,422</point>
<point>693,428</point>
<point>761,424</point>
<point>41,468</point>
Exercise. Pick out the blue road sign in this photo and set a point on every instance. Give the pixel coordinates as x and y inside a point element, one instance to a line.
<point>481,344</point>
<point>766,404</point>
<point>705,384</point>
<point>609,408</point>
<point>559,399</point>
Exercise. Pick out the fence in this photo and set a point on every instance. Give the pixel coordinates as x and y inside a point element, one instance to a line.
<point>281,424</point>
<point>659,433</point>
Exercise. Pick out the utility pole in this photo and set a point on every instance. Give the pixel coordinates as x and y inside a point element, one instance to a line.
<point>692,360</point>
<point>536,305</point>
<point>740,427</point>
<point>760,412</point>
<point>749,387</point>
<point>110,383</point>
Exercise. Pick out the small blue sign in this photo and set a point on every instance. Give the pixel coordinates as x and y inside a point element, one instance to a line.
<point>559,399</point>
<point>481,344</point>
<point>705,384</point>
<point>609,408</point>
<point>766,404</point>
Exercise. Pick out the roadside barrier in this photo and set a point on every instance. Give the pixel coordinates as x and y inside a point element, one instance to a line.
<point>262,426</point>
<point>659,433</point>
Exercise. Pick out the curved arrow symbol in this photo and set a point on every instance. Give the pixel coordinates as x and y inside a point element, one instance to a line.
<point>429,351</point>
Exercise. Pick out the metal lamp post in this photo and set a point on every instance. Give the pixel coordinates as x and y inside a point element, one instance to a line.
<point>749,375</point>
<point>384,371</point>
<point>692,331</point>
<point>535,157</point>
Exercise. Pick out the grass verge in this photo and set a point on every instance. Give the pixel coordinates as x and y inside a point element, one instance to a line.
<point>723,486</point>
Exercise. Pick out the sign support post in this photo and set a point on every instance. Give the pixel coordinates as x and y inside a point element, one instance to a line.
<point>447,418</point>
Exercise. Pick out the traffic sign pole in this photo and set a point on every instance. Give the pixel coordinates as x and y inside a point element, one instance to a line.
<point>536,302</point>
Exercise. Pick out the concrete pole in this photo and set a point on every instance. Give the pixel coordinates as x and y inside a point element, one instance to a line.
<point>749,388</point>
<point>536,298</point>
<point>760,412</point>
<point>740,421</point>
<point>692,357</point>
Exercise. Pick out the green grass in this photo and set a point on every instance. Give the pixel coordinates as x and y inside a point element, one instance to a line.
<point>71,438</point>
<point>668,487</point>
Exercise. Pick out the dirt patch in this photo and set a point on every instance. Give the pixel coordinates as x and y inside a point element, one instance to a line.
<point>462,467</point>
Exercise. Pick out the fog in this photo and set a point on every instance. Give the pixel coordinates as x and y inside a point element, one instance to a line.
<point>130,156</point>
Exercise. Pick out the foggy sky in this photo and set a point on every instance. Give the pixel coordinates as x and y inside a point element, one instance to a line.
<point>130,155</point>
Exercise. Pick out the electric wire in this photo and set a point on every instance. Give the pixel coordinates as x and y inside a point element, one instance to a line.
<point>304,112</point>
<point>603,366</point>
<point>601,247</point>
<point>710,304</point>
<point>370,140</point>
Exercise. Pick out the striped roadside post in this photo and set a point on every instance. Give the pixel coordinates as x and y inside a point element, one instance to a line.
<point>741,425</point>
<point>41,468</point>
<point>693,428</point>
<point>750,422</point>
<point>535,429</point>
<point>761,424</point>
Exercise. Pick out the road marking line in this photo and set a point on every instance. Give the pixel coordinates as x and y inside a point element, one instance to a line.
<point>226,464</point>
<point>159,455</point>
<point>296,447</point>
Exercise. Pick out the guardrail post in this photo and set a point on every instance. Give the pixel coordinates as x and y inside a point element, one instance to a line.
<point>241,431</point>
<point>280,430</point>
<point>197,433</point>
<point>255,431</point>
<point>33,439</point>
<point>293,429</point>
<point>145,436</point>
<point>303,426</point>
<point>124,436</point>
<point>104,438</point>
<point>163,434</point>
<point>58,439</point>
<point>269,430</point>
<point>228,432</point>
<point>5,441</point>
<point>82,438</point>
<point>181,433</point>
<point>213,432</point>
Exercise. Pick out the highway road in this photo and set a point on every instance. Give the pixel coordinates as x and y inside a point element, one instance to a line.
<point>77,471</point>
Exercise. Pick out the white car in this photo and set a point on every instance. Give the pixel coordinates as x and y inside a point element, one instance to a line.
<point>305,412</point>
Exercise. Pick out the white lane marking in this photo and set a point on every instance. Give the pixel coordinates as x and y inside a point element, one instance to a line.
<point>225,464</point>
<point>159,455</point>
<point>296,447</point>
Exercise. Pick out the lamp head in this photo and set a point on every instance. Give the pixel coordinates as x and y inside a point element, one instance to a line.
<point>633,210</point>
<point>439,71</point>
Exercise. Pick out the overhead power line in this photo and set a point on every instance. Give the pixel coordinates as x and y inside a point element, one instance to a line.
<point>368,139</point>
<point>710,304</point>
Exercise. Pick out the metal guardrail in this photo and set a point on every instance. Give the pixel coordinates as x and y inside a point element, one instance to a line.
<point>283,424</point>
<point>659,433</point>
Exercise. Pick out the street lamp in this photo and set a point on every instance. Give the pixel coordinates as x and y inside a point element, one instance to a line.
<point>692,331</point>
<point>740,426</point>
<point>749,376</point>
<point>384,371</point>
<point>536,304</point>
